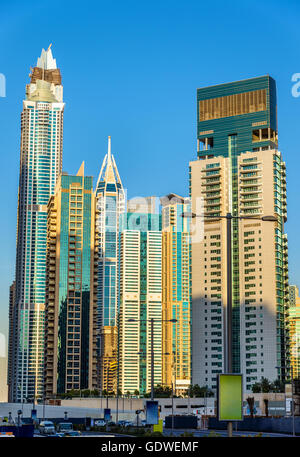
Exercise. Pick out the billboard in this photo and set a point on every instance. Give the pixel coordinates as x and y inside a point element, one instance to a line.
<point>230,397</point>
<point>107,416</point>
<point>152,412</point>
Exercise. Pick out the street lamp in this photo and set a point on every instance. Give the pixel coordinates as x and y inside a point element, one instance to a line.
<point>229,217</point>
<point>151,320</point>
<point>174,376</point>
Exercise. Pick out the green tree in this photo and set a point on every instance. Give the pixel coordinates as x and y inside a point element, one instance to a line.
<point>256,387</point>
<point>266,385</point>
<point>85,393</point>
<point>278,386</point>
<point>197,391</point>
<point>160,392</point>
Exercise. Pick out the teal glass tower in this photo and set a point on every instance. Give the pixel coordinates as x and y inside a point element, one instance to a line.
<point>110,204</point>
<point>40,167</point>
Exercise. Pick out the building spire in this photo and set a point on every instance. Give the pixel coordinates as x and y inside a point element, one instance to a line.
<point>46,61</point>
<point>109,172</point>
<point>80,172</point>
<point>109,148</point>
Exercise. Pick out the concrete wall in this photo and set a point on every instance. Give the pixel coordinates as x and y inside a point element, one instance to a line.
<point>259,424</point>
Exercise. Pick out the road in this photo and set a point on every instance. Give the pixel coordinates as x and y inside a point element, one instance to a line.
<point>200,433</point>
<point>196,433</point>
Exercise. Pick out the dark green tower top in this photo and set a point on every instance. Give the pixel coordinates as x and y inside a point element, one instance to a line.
<point>247,109</point>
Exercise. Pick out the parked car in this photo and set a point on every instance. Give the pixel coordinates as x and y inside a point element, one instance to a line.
<point>47,428</point>
<point>72,433</point>
<point>143,423</point>
<point>111,423</point>
<point>121,423</point>
<point>64,427</point>
<point>100,423</point>
<point>129,424</point>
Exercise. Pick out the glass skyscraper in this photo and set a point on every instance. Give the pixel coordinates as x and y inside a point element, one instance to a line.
<point>71,298</point>
<point>176,293</point>
<point>40,167</point>
<point>110,204</point>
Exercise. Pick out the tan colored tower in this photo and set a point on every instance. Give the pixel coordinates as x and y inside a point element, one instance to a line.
<point>260,191</point>
<point>176,289</point>
<point>294,323</point>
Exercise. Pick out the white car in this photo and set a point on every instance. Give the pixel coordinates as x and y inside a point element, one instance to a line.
<point>100,423</point>
<point>47,428</point>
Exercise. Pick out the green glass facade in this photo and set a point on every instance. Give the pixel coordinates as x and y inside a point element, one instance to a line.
<point>75,283</point>
<point>40,166</point>
<point>70,316</point>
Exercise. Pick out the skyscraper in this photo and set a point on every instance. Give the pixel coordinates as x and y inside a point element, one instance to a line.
<point>293,294</point>
<point>239,170</point>
<point>110,204</point>
<point>176,291</point>
<point>71,286</point>
<point>294,328</point>
<point>40,167</point>
<point>140,300</point>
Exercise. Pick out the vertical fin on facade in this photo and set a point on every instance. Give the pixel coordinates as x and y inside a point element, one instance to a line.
<point>80,172</point>
<point>109,171</point>
<point>46,60</point>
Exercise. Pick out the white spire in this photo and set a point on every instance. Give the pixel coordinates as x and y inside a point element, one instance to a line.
<point>46,60</point>
<point>109,148</point>
<point>109,172</point>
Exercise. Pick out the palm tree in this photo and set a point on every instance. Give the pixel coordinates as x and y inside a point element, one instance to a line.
<point>250,401</point>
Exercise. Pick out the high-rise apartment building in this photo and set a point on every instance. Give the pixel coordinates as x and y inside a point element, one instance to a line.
<point>140,300</point>
<point>71,287</point>
<point>12,340</point>
<point>293,294</point>
<point>142,205</point>
<point>40,167</point>
<point>176,291</point>
<point>110,204</point>
<point>240,171</point>
<point>294,328</point>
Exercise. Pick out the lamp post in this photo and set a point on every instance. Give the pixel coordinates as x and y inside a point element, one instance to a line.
<point>117,398</point>
<point>44,406</point>
<point>173,385</point>
<point>228,339</point>
<point>152,320</point>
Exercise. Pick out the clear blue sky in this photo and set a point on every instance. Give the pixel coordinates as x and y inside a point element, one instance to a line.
<point>130,70</point>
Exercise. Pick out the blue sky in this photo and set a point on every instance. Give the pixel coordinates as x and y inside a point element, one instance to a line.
<point>130,69</point>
